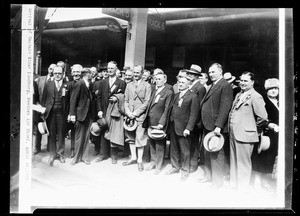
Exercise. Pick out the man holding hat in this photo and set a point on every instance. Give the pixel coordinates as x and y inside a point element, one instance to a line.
<point>76,74</point>
<point>214,110</point>
<point>56,112</point>
<point>137,97</point>
<point>157,116</point>
<point>247,118</point>
<point>183,118</point>
<point>107,91</point>
<point>41,82</point>
<point>80,114</point>
<point>193,73</point>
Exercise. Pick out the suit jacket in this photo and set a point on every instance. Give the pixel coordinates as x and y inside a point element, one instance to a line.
<point>216,105</point>
<point>248,116</point>
<point>69,90</point>
<point>48,97</point>
<point>105,92</point>
<point>137,100</point>
<point>41,81</point>
<point>81,99</point>
<point>200,90</point>
<point>158,109</point>
<point>184,116</point>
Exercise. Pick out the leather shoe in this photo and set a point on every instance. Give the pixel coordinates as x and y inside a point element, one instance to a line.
<point>72,154</point>
<point>172,171</point>
<point>100,158</point>
<point>151,167</point>
<point>184,176</point>
<point>36,152</point>
<point>193,169</point>
<point>114,160</point>
<point>61,159</point>
<point>129,162</point>
<point>203,180</point>
<point>51,161</point>
<point>140,167</point>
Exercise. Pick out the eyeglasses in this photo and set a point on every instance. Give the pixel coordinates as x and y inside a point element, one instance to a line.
<point>110,68</point>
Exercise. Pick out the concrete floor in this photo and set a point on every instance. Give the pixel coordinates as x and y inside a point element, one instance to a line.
<point>107,186</point>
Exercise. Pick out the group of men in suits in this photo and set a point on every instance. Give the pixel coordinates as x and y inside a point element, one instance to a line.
<point>186,112</point>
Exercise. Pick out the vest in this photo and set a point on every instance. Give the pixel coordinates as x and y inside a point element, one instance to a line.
<point>57,98</point>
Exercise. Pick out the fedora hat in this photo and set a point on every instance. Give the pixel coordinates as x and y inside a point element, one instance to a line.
<point>156,134</point>
<point>43,129</point>
<point>130,124</point>
<point>264,144</point>
<point>95,129</point>
<point>195,69</point>
<point>213,143</point>
<point>229,77</point>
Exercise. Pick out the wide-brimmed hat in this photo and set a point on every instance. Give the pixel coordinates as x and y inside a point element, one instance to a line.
<point>156,134</point>
<point>264,144</point>
<point>195,69</point>
<point>271,83</point>
<point>42,127</point>
<point>95,129</point>
<point>212,142</point>
<point>130,124</point>
<point>229,77</point>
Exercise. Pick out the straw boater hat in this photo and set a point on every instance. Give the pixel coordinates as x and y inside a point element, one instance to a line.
<point>229,77</point>
<point>195,69</point>
<point>43,129</point>
<point>264,144</point>
<point>156,134</point>
<point>271,83</point>
<point>213,143</point>
<point>130,124</point>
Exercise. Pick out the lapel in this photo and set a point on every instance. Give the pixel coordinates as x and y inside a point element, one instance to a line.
<point>86,90</point>
<point>213,89</point>
<point>195,86</point>
<point>161,93</point>
<point>140,86</point>
<point>244,98</point>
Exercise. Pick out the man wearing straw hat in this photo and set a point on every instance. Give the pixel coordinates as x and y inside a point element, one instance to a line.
<point>193,73</point>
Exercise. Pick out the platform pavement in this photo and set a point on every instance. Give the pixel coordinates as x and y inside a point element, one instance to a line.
<point>107,185</point>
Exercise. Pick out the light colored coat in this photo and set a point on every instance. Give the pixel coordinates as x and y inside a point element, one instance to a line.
<point>248,116</point>
<point>137,100</point>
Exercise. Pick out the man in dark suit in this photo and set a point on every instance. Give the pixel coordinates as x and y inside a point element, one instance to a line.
<point>157,116</point>
<point>182,122</point>
<point>106,89</point>
<point>56,114</point>
<point>80,114</point>
<point>193,73</point>
<point>76,73</point>
<point>214,109</point>
<point>41,81</point>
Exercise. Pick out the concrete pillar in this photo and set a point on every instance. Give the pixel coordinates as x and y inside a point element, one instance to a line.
<point>136,38</point>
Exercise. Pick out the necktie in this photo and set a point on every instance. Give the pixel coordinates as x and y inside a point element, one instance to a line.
<point>58,86</point>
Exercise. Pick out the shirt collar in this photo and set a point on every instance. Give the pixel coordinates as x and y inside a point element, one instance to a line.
<point>86,82</point>
<point>195,81</point>
<point>181,93</point>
